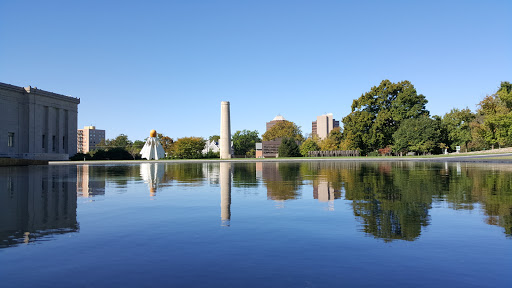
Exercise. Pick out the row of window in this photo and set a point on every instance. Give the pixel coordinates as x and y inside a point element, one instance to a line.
<point>10,141</point>
<point>54,142</point>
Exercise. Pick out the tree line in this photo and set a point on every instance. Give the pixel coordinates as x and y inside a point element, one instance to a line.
<point>389,119</point>
<point>392,119</point>
<point>121,148</point>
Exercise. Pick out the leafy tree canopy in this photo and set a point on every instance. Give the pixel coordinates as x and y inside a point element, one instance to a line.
<point>289,148</point>
<point>245,141</point>
<point>495,125</point>
<point>333,141</point>
<point>120,141</point>
<point>456,123</point>
<point>377,114</point>
<point>505,93</point>
<point>188,148</point>
<point>166,142</point>
<point>418,135</point>
<point>282,129</point>
<point>308,145</point>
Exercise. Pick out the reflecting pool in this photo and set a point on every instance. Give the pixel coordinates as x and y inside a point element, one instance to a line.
<point>264,224</point>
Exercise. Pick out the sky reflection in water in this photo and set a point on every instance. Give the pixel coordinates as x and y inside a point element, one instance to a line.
<point>267,224</point>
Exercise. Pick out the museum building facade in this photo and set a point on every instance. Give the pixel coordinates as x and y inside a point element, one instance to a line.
<point>37,124</point>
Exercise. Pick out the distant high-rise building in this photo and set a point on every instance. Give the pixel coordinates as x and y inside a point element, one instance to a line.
<point>88,138</point>
<point>324,125</point>
<point>274,121</point>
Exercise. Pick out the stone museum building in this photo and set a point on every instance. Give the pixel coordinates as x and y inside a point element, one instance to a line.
<point>37,124</point>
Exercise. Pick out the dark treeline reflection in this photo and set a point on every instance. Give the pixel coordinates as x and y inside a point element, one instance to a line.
<point>36,202</point>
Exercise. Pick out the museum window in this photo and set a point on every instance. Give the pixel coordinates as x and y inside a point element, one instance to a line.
<point>10,139</point>
<point>54,142</point>
<point>63,142</point>
<point>44,140</point>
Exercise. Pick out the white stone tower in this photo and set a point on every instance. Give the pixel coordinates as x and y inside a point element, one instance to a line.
<point>225,131</point>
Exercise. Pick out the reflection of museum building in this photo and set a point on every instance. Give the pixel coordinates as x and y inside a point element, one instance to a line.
<point>38,201</point>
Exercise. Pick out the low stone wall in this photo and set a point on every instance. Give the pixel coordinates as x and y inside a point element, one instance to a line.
<point>21,162</point>
<point>338,153</point>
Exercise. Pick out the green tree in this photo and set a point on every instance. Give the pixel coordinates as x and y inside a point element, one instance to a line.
<point>188,148</point>
<point>308,145</point>
<point>113,149</point>
<point>245,141</point>
<point>289,148</point>
<point>135,148</point>
<point>418,135</point>
<point>333,141</point>
<point>120,141</point>
<point>495,126</point>
<point>214,138</point>
<point>283,129</point>
<point>377,114</point>
<point>456,123</point>
<point>166,142</point>
<point>505,93</point>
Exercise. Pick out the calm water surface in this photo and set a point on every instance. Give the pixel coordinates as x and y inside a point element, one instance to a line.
<point>314,224</point>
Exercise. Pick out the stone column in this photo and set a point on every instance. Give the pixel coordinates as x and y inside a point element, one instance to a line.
<point>225,192</point>
<point>225,131</point>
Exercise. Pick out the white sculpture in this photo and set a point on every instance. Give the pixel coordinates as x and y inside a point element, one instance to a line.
<point>152,149</point>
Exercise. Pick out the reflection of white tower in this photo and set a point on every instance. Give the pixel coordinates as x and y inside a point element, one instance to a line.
<point>151,175</point>
<point>225,193</point>
<point>225,131</point>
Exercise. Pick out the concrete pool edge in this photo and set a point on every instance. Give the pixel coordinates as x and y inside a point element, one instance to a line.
<point>465,158</point>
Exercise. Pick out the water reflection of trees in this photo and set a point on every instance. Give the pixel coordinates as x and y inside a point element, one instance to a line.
<point>190,173</point>
<point>391,203</point>
<point>244,175</point>
<point>392,199</point>
<point>493,189</point>
<point>282,180</point>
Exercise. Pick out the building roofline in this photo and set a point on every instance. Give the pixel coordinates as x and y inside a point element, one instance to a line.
<point>35,91</point>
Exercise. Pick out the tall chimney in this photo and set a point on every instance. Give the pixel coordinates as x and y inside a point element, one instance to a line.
<point>225,131</point>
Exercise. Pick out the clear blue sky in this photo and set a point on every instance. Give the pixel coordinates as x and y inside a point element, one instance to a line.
<point>167,65</point>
